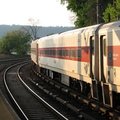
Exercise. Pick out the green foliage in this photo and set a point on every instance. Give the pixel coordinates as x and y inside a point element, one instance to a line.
<point>15,41</point>
<point>80,8</point>
<point>113,10</point>
<point>85,10</point>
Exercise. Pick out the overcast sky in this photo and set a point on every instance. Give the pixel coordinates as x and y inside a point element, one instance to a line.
<point>48,12</point>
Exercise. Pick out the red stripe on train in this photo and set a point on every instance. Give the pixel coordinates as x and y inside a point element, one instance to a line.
<point>114,56</point>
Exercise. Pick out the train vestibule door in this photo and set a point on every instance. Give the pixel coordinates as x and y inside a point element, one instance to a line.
<point>92,57</point>
<point>103,58</point>
<point>103,71</point>
<point>94,89</point>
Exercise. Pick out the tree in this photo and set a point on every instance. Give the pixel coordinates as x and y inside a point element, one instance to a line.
<point>113,10</point>
<point>33,28</point>
<point>15,41</point>
<point>85,10</point>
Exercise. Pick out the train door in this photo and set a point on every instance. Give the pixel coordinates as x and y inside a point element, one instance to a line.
<point>103,70</point>
<point>94,89</point>
<point>103,58</point>
<point>92,57</point>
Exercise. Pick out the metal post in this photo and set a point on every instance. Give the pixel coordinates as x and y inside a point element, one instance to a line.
<point>98,12</point>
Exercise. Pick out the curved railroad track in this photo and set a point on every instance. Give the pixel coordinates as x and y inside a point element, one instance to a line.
<point>81,105</point>
<point>29,104</point>
<point>36,101</point>
<point>4,64</point>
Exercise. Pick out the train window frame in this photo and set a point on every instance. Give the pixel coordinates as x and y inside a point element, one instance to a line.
<point>103,41</point>
<point>63,52</point>
<point>79,53</point>
<point>41,52</point>
<point>55,52</point>
<point>73,53</point>
<point>105,51</point>
<point>67,53</point>
<point>58,52</point>
<point>92,46</point>
<point>48,53</point>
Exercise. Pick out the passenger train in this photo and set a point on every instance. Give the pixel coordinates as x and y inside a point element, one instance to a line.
<point>87,59</point>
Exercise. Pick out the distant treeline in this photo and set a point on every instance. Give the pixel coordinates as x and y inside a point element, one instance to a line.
<point>43,31</point>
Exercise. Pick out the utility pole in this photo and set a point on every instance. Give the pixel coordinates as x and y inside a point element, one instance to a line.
<point>98,12</point>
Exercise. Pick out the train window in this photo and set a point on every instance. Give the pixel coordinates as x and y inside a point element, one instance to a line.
<point>79,53</point>
<point>58,53</point>
<point>73,53</point>
<point>47,51</point>
<point>54,52</point>
<point>92,45</point>
<point>63,52</point>
<point>104,46</point>
<point>67,53</point>
<point>42,52</point>
<point>51,52</point>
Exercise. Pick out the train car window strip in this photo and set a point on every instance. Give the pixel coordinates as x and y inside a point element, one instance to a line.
<point>69,53</point>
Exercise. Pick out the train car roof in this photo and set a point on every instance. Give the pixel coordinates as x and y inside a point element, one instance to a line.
<point>48,37</point>
<point>111,26</point>
<point>70,32</point>
<point>77,31</point>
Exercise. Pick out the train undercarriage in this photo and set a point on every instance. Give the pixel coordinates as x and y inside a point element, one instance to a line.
<point>84,88</point>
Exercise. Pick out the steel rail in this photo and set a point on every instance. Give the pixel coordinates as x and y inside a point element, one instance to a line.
<point>38,97</point>
<point>10,94</point>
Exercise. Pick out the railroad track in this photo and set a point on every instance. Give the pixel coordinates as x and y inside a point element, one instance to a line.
<point>81,105</point>
<point>28,103</point>
<point>4,64</point>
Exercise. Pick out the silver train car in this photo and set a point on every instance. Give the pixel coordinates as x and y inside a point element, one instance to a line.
<point>87,59</point>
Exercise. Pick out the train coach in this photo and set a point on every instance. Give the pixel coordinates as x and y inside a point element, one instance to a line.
<point>87,59</point>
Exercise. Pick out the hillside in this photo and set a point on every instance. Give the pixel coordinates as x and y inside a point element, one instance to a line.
<point>43,31</point>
